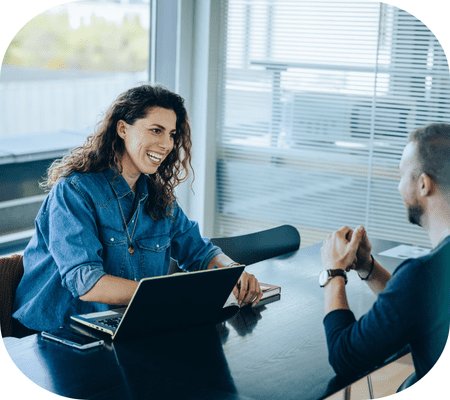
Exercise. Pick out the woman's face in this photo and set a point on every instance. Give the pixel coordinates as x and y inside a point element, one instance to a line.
<point>148,141</point>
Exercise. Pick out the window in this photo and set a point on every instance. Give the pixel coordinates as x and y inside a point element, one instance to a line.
<point>317,101</point>
<point>51,100</point>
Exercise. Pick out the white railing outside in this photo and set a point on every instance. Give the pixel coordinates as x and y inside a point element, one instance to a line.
<point>36,107</point>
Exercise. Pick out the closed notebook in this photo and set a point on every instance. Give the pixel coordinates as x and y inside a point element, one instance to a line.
<point>270,293</point>
<point>269,290</point>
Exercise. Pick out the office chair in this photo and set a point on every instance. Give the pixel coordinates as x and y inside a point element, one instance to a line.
<point>254,247</point>
<point>409,381</point>
<point>11,271</point>
<point>259,246</point>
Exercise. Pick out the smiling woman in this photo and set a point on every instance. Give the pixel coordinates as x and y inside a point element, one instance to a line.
<point>141,121</point>
<point>111,217</point>
<point>147,142</point>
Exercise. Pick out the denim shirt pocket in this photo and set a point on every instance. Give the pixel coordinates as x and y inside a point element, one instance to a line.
<point>154,252</point>
<point>115,248</point>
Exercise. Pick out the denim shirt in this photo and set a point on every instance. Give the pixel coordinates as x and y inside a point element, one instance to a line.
<point>80,236</point>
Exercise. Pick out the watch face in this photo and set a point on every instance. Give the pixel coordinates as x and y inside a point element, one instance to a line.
<point>323,278</point>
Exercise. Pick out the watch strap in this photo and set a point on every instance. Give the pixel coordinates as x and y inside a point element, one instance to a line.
<point>331,273</point>
<point>337,272</point>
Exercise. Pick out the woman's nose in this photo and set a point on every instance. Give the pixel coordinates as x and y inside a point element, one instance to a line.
<point>166,141</point>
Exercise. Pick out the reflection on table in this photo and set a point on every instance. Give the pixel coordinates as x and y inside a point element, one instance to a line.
<point>276,351</point>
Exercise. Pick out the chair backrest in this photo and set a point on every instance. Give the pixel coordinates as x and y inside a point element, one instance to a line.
<point>259,246</point>
<point>11,271</point>
<point>409,381</point>
<point>254,247</point>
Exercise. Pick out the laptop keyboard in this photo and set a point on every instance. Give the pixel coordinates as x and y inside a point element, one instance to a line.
<point>112,322</point>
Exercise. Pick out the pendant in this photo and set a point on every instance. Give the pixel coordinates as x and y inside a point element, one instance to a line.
<point>131,249</point>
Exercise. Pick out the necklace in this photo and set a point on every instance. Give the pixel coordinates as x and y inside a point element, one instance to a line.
<point>129,237</point>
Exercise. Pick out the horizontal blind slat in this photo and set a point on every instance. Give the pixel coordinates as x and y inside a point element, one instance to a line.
<point>316,106</point>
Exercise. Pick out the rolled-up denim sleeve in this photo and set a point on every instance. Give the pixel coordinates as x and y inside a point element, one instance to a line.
<point>81,279</point>
<point>188,247</point>
<point>74,239</point>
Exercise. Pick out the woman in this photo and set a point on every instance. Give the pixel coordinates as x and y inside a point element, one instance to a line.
<point>111,217</point>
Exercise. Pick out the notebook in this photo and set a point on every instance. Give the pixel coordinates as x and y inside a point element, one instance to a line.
<point>271,293</point>
<point>168,302</point>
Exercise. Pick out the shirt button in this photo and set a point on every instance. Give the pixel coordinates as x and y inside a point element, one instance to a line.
<point>157,246</point>
<point>112,239</point>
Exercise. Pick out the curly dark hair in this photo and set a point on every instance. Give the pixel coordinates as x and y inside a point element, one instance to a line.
<point>104,148</point>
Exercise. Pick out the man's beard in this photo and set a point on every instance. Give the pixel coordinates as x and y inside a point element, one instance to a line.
<point>415,213</point>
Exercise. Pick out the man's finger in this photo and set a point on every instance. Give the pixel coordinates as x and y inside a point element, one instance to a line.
<point>349,234</point>
<point>343,231</point>
<point>357,236</point>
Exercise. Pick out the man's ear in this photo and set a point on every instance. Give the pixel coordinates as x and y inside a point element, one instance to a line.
<point>425,184</point>
<point>121,128</point>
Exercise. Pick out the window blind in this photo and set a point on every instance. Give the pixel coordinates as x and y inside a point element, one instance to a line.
<point>317,101</point>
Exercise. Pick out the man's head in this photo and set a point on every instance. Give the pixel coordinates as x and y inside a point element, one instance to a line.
<point>425,169</point>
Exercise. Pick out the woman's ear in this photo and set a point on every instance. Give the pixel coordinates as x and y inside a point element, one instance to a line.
<point>121,128</point>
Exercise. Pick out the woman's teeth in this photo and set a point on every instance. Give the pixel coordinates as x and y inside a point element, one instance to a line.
<point>154,157</point>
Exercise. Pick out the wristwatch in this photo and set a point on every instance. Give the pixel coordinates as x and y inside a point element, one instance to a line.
<point>328,274</point>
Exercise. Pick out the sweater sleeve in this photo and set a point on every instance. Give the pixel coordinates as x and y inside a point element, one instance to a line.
<point>356,346</point>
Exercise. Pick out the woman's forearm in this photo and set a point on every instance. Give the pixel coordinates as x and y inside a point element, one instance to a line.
<point>221,260</point>
<point>111,289</point>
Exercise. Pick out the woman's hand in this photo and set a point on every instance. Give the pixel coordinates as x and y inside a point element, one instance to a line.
<point>247,290</point>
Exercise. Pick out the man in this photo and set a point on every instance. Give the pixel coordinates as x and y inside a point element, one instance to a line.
<point>412,307</point>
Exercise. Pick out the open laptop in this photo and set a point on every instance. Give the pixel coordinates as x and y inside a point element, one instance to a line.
<point>168,302</point>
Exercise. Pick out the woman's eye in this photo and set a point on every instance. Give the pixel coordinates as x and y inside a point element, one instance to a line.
<point>157,131</point>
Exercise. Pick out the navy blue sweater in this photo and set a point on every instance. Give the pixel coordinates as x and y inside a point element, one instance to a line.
<point>413,309</point>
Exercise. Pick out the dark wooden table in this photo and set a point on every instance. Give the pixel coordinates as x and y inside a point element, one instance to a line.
<point>277,351</point>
